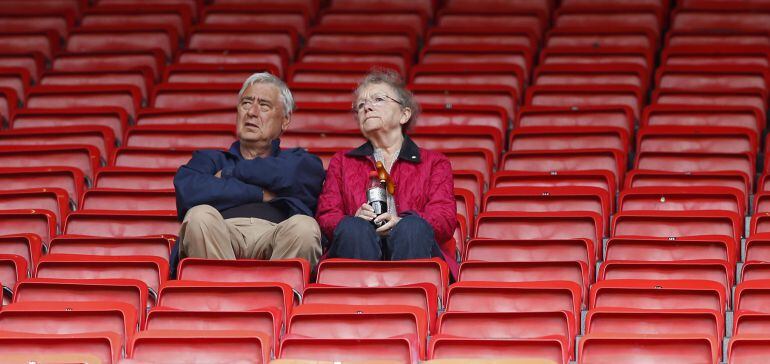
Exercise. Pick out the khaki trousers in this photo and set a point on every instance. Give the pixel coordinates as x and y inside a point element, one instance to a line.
<point>206,234</point>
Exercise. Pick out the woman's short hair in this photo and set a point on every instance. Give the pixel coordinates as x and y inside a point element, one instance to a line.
<point>396,82</point>
<point>283,90</point>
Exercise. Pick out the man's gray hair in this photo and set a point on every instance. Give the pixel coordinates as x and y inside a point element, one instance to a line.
<point>283,90</point>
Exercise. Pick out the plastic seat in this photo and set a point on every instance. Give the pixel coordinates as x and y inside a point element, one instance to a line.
<point>153,271</point>
<point>114,118</point>
<point>277,58</point>
<point>111,223</point>
<point>180,136</point>
<point>122,200</point>
<point>511,76</point>
<point>57,20</point>
<point>507,325</point>
<point>598,347</point>
<point>177,16</point>
<point>324,321</point>
<point>13,269</point>
<point>105,346</point>
<point>696,162</point>
<point>135,178</point>
<point>70,318</point>
<point>352,273</point>
<point>556,250</point>
<point>552,349</point>
<point>665,224</point>
<point>751,297</point>
<point>754,270</point>
<point>463,54</point>
<point>162,159</point>
<point>294,272</point>
<point>721,56</point>
<point>342,73</point>
<point>321,92</point>
<point>540,225</point>
<point>39,222</point>
<point>560,75</point>
<point>192,7</point>
<point>591,36</point>
<point>128,291</point>
<point>141,78</point>
<point>569,117</point>
<point>16,79</point>
<point>662,249</point>
<point>734,180</point>
<point>393,349</point>
<point>373,38</point>
<point>68,179</point>
<point>655,322</point>
<point>209,117</point>
<point>295,15</point>
<point>691,198</point>
<point>267,321</point>
<point>208,37</point>
<point>211,346</point>
<point>711,77</point>
<point>703,116</point>
<point>716,271</point>
<point>753,99</point>
<point>640,17</point>
<point>27,246</point>
<point>450,96</point>
<point>603,180</point>
<point>478,17</point>
<point>194,96</point>
<point>705,140</point>
<point>750,323</point>
<point>153,59</point>
<point>541,199</point>
<point>214,74</point>
<point>554,162</point>
<point>57,97</point>
<point>423,7</point>
<point>658,294</point>
<point>401,59</point>
<point>568,138</point>
<point>723,17</point>
<point>226,296</point>
<point>32,62</point>
<point>590,55</point>
<point>461,36</point>
<point>386,17</point>
<point>757,248</point>
<point>99,137</point>
<point>44,42</point>
<point>105,246</point>
<point>51,199</point>
<point>747,348</point>
<point>523,297</point>
<point>122,38</point>
<point>576,96</point>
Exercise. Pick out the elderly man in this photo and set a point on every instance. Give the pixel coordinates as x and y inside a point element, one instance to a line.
<point>254,200</point>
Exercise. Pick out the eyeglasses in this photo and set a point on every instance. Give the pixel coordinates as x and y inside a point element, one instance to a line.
<point>375,101</point>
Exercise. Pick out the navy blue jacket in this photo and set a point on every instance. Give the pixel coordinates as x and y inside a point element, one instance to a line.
<point>293,175</point>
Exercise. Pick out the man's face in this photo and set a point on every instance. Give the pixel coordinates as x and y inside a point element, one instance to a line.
<point>261,116</point>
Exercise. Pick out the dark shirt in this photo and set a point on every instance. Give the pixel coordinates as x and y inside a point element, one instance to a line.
<point>260,210</point>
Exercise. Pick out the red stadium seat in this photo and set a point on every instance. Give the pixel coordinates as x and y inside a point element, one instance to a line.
<point>540,225</point>
<point>153,59</point>
<point>532,271</point>
<point>111,223</point>
<point>139,77</point>
<point>211,346</point>
<point>106,246</point>
<point>122,200</point>
<point>51,199</point>
<point>69,179</point>
<point>31,61</point>
<point>711,78</point>
<point>294,272</point>
<point>277,58</point>
<point>178,16</point>
<point>374,39</point>
<point>735,180</point>
<point>461,36</point>
<point>715,271</point>
<point>113,118</point>
<point>392,349</point>
<point>507,325</point>
<point>590,55</point>
<point>135,178</point>
<point>482,54</point>
<point>703,116</point>
<point>194,96</point>
<point>209,37</point>
<point>451,96</point>
<point>214,74</point>
<point>553,348</point>
<point>210,117</point>
<point>568,139</point>
<point>16,79</point>
<point>540,199</point>
<point>682,199</point>
<point>752,297</point>
<point>603,180</point>
<point>666,224</point>
<point>193,7</point>
<point>498,17</point>
<point>27,246</point>
<point>655,322</point>
<point>294,15</point>
<point>122,38</point>
<point>664,249</point>
<point>39,20</point>
<point>13,269</point>
<point>716,56</point>
<point>44,42</point>
<point>39,222</point>
<point>180,137</point>
<point>584,116</point>
<point>628,75</point>
<point>151,158</point>
<point>601,37</point>
<point>691,162</point>
<point>600,160</point>
<point>658,294</point>
<point>746,348</point>
<point>104,346</point>
<point>129,291</point>
<point>511,76</point>
<point>645,17</point>
<point>57,97</point>
<point>597,347</point>
<point>401,59</point>
<point>685,99</point>
<point>342,73</point>
<point>557,250</point>
<point>578,96</point>
<point>99,137</point>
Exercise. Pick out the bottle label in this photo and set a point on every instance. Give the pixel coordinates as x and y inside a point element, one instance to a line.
<point>377,198</point>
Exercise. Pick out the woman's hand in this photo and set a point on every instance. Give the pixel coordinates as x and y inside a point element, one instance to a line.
<point>390,222</point>
<point>365,212</point>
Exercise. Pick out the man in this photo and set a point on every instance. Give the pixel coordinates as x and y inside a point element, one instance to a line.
<point>255,200</point>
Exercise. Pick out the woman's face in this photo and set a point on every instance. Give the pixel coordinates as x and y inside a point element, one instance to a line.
<point>379,109</point>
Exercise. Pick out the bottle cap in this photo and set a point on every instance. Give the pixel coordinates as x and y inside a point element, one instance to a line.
<point>373,174</point>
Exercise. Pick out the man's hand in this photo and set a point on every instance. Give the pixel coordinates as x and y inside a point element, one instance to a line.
<point>365,212</point>
<point>391,221</point>
<point>218,174</point>
<point>267,195</point>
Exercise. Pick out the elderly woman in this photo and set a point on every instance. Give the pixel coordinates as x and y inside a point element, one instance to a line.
<point>421,213</point>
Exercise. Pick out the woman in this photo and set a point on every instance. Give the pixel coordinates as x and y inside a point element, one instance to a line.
<point>421,216</point>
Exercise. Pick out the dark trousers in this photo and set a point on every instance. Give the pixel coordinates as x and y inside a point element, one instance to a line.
<point>411,238</point>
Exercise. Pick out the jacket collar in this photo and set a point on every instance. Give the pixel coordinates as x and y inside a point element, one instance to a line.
<point>410,152</point>
<point>275,148</point>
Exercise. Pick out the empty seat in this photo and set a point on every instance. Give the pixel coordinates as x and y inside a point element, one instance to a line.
<point>39,222</point>
<point>752,297</point>
<point>57,97</point>
<point>696,162</point>
<point>122,223</point>
<point>16,79</point>
<point>682,199</point>
<point>558,250</point>
<point>105,346</point>
<point>214,74</point>
<point>176,15</point>
<point>733,180</point>
<point>122,38</point>
<point>105,246</point>
<point>655,322</point>
<point>554,162</point>
<point>295,15</point>
<point>584,116</point>
<point>122,200</point>
<point>58,20</point>
<point>683,139</point>
<point>44,42</point>
<point>753,99</point>
<point>603,180</point>
<point>664,249</point>
<point>628,75</point>
<point>577,96</point>
<point>423,7</point>
<point>658,294</point>
<point>546,348</point>
<point>209,37</point>
<point>568,139</point>
<point>99,137</point>
<point>757,249</point>
<point>52,199</point>
<point>393,349</point>
<point>194,96</point>
<point>532,271</point>
<point>450,96</point>
<point>610,17</point>
<point>351,273</point>
<point>703,116</point>
<point>151,158</point>
<point>540,225</point>
<point>400,59</point>
<point>459,35</point>
<point>520,56</point>
<point>209,346</point>
<point>716,271</point>
<point>129,291</point>
<point>511,76</point>
<point>476,17</point>
<point>747,349</point>
<point>180,136</point>
<point>507,325</point>
<point>219,116</point>
<point>135,178</point>
<point>32,62</point>
<point>342,73</point>
<point>13,269</point>
<point>277,58</point>
<point>294,272</point>
<point>598,347</point>
<point>590,55</point>
<point>27,246</point>
<point>711,77</point>
<point>141,78</point>
<point>152,59</point>
<point>666,224</point>
<point>114,118</point>
<point>601,37</point>
<point>370,37</point>
<point>538,199</point>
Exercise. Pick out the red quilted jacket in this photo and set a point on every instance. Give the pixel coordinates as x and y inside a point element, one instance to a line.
<point>424,186</point>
